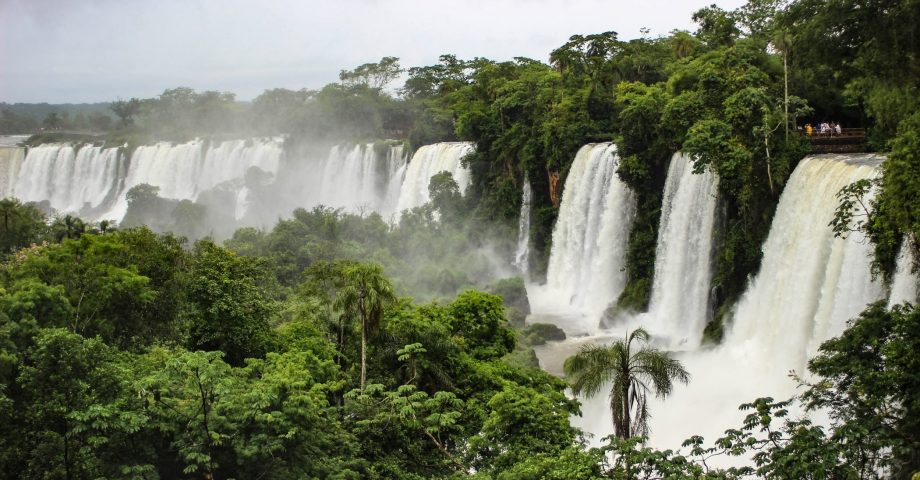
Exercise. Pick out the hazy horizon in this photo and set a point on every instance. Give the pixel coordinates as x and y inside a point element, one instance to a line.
<point>58,51</point>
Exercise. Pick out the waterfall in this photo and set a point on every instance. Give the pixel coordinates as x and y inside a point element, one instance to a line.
<point>93,181</point>
<point>428,161</point>
<point>521,255</point>
<point>359,178</point>
<point>186,170</point>
<point>809,284</point>
<point>679,306</point>
<point>10,162</point>
<point>904,286</point>
<point>586,265</point>
<point>72,180</point>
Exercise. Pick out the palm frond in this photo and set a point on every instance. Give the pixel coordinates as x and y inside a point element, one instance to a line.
<point>631,375</point>
<point>659,369</point>
<point>591,368</point>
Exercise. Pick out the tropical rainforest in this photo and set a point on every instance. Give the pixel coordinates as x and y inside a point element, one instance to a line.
<point>336,345</point>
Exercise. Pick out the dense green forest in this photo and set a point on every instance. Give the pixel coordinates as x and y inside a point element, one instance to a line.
<point>298,352</point>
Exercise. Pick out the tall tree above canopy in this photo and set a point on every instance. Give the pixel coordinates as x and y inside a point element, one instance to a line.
<point>365,295</point>
<point>372,75</point>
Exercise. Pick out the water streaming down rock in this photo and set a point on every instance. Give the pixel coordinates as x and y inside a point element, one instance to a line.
<point>10,161</point>
<point>905,284</point>
<point>679,307</point>
<point>184,171</point>
<point>361,177</point>
<point>522,254</point>
<point>79,181</point>
<point>93,181</point>
<point>810,283</point>
<point>428,161</point>
<point>586,265</point>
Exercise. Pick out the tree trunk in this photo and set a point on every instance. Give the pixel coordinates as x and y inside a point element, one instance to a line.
<point>67,471</point>
<point>626,418</point>
<point>785,95</point>
<point>766,143</point>
<point>207,429</point>
<point>555,193</point>
<point>363,354</point>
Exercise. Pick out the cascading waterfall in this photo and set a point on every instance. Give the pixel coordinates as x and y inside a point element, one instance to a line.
<point>186,170</point>
<point>10,161</point>
<point>905,284</point>
<point>358,177</point>
<point>521,255</point>
<point>427,162</point>
<point>810,283</point>
<point>586,265</point>
<point>93,181</point>
<point>679,307</point>
<point>72,180</point>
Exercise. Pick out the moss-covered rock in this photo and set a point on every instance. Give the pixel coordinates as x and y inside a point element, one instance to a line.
<point>540,333</point>
<point>513,293</point>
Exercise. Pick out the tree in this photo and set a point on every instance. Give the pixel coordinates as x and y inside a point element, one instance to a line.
<point>72,405</point>
<point>717,27</point>
<point>365,295</point>
<point>126,110</point>
<point>101,294</point>
<point>445,196</point>
<point>229,310</point>
<point>53,121</point>
<point>67,226</point>
<point>632,374</point>
<point>871,389</point>
<point>20,225</point>
<point>372,75</point>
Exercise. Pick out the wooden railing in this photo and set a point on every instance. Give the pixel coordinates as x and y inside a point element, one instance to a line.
<point>849,140</point>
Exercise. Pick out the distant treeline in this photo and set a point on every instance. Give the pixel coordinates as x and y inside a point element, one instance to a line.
<point>25,118</point>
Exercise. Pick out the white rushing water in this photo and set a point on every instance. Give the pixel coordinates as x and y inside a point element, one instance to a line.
<point>93,181</point>
<point>522,254</point>
<point>679,306</point>
<point>586,265</point>
<point>183,171</point>
<point>359,178</point>
<point>905,284</point>
<point>809,285</point>
<point>427,162</point>
<point>10,162</point>
<point>72,180</point>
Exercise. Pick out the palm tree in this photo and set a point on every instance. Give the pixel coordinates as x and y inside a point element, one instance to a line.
<point>632,374</point>
<point>365,294</point>
<point>9,209</point>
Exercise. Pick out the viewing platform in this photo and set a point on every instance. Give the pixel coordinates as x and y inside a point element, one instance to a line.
<point>849,140</point>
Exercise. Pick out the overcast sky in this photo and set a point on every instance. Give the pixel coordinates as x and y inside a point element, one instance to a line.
<point>97,50</point>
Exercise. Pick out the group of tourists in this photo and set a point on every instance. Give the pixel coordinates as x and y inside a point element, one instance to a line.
<point>824,129</point>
